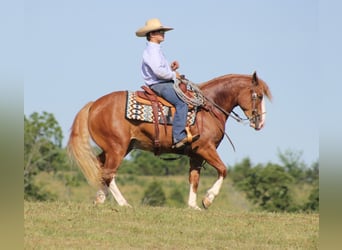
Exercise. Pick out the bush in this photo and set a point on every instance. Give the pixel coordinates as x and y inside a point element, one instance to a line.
<point>313,203</point>
<point>154,195</point>
<point>176,197</point>
<point>268,187</point>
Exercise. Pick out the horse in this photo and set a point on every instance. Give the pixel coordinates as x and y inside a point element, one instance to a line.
<point>103,121</point>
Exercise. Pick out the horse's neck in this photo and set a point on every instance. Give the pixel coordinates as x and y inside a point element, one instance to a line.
<point>224,94</point>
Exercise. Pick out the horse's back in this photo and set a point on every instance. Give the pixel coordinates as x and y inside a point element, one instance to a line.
<point>112,104</point>
<point>117,98</point>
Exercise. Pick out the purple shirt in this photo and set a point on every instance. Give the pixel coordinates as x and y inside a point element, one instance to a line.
<point>155,68</point>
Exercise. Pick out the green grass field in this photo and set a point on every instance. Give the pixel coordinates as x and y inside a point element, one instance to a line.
<point>73,225</point>
<point>230,223</point>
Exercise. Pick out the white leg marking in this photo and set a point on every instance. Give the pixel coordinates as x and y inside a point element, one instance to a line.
<point>117,194</point>
<point>192,199</point>
<point>216,187</point>
<point>212,192</point>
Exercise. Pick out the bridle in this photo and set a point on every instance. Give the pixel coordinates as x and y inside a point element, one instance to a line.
<point>254,118</point>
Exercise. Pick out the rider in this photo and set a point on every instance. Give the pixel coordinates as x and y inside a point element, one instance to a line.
<point>160,76</point>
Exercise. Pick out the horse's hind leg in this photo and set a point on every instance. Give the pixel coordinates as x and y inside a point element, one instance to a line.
<point>113,160</point>
<point>101,194</point>
<point>117,194</point>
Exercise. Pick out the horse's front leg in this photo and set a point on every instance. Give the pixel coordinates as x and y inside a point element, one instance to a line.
<point>212,193</point>
<point>214,160</point>
<point>194,176</point>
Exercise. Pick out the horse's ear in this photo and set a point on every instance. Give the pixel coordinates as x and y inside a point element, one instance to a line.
<point>255,78</point>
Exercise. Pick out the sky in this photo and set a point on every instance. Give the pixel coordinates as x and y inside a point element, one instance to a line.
<point>77,51</point>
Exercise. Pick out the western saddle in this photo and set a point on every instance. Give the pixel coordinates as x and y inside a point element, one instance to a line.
<point>149,97</point>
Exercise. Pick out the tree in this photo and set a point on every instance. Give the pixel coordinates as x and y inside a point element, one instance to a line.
<point>241,170</point>
<point>293,165</point>
<point>268,187</point>
<point>42,151</point>
<point>313,202</point>
<point>312,177</point>
<point>312,174</point>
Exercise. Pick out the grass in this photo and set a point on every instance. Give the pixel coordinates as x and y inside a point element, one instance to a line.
<point>80,225</point>
<point>133,188</point>
<point>231,222</point>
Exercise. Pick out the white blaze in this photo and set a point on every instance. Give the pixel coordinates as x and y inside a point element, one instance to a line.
<point>263,113</point>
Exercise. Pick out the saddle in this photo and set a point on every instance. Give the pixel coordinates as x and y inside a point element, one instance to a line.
<point>149,97</point>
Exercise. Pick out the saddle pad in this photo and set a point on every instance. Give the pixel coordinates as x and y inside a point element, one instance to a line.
<point>143,112</point>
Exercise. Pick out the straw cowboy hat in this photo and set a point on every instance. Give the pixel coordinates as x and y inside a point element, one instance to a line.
<point>151,25</point>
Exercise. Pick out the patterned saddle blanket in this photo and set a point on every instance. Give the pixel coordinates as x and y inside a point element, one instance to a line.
<point>141,110</point>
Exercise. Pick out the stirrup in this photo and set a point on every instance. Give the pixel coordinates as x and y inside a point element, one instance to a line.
<point>185,141</point>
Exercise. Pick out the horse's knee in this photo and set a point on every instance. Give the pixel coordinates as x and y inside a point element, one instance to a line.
<point>195,184</point>
<point>194,173</point>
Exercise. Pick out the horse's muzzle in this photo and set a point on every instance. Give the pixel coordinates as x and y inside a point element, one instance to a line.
<point>257,123</point>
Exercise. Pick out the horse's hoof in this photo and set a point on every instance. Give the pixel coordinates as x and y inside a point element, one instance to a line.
<point>205,203</point>
<point>96,202</point>
<point>195,208</point>
<point>207,200</point>
<point>126,205</point>
<point>99,199</point>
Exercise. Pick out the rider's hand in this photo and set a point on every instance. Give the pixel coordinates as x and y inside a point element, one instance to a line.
<point>174,65</point>
<point>178,76</point>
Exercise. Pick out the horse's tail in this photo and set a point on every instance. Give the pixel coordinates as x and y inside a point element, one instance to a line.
<point>80,150</point>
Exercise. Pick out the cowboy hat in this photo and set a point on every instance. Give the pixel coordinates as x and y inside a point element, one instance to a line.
<point>151,25</point>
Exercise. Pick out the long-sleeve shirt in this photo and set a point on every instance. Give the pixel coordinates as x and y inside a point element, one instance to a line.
<point>155,68</point>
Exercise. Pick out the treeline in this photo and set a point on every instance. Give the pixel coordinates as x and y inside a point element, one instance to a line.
<point>291,186</point>
<point>274,187</point>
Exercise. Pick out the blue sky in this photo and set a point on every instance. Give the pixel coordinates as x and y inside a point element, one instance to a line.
<point>77,51</point>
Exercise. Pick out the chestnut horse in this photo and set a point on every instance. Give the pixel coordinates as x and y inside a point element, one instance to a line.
<point>104,122</point>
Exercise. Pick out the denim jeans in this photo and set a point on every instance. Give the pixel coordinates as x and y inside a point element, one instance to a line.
<point>166,91</point>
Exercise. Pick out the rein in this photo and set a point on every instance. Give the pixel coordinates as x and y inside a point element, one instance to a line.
<point>222,130</point>
<point>232,114</point>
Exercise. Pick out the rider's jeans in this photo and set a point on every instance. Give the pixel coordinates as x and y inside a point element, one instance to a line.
<point>167,91</point>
